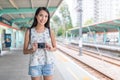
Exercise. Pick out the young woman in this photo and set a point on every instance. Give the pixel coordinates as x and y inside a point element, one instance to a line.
<point>39,43</point>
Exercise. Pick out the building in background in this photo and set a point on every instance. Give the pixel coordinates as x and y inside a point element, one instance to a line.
<point>95,11</point>
<point>105,10</point>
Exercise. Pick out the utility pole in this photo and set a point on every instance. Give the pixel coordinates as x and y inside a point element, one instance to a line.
<point>79,23</point>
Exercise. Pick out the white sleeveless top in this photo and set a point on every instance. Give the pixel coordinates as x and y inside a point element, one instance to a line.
<point>41,56</point>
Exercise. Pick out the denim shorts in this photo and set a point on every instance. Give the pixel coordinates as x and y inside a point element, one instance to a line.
<point>40,70</point>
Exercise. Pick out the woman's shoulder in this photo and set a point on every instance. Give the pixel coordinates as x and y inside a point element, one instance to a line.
<point>32,29</point>
<point>29,29</point>
<point>46,29</point>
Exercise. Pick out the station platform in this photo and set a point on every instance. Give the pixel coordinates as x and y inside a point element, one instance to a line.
<point>109,47</point>
<point>106,48</point>
<point>14,66</point>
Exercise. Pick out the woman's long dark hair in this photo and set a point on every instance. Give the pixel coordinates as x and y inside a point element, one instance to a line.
<point>47,24</point>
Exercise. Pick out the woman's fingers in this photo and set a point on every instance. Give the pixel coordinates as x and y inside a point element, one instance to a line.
<point>35,46</point>
<point>48,47</point>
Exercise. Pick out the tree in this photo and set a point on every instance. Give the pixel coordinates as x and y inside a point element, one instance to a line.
<point>60,31</point>
<point>66,19</point>
<point>57,20</point>
<point>56,23</point>
<point>88,22</point>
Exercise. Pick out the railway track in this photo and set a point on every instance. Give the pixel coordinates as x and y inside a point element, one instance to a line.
<point>100,74</point>
<point>108,59</point>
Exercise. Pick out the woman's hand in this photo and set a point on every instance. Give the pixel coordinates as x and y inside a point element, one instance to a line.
<point>49,47</point>
<point>34,47</point>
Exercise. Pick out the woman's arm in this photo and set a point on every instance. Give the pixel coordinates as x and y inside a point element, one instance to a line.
<point>26,44</point>
<point>53,40</point>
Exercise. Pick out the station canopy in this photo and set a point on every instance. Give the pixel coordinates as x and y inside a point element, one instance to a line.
<point>112,25</point>
<point>21,12</point>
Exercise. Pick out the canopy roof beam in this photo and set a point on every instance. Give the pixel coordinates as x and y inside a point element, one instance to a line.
<point>22,10</point>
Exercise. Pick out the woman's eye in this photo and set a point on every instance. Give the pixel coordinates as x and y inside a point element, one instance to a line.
<point>40,15</point>
<point>46,16</point>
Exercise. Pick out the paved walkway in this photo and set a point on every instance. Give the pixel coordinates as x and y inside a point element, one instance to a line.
<point>14,66</point>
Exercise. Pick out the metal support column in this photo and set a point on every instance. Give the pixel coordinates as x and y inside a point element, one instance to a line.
<point>119,36</point>
<point>79,14</point>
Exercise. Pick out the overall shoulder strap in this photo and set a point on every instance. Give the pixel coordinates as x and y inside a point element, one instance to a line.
<point>29,35</point>
<point>49,33</point>
<point>50,37</point>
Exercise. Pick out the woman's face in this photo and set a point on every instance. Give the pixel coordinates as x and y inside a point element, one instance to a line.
<point>42,17</point>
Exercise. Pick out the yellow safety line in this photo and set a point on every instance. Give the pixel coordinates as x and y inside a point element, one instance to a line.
<point>86,78</point>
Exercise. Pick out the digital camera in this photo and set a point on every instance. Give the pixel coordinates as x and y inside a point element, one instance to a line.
<point>41,45</point>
